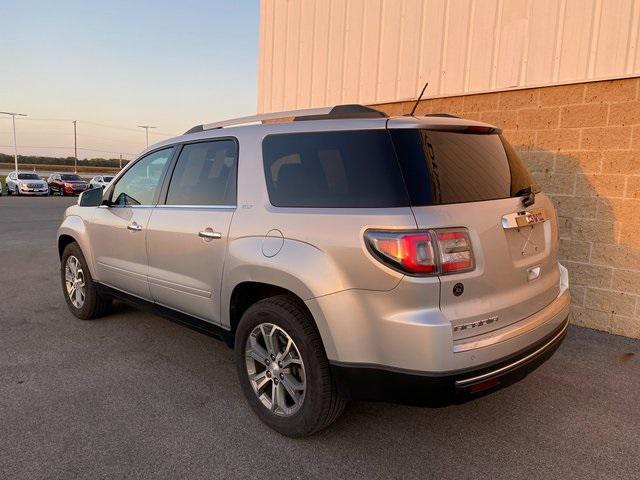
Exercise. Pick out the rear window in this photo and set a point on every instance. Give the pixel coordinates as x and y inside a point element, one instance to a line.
<point>451,167</point>
<point>333,169</point>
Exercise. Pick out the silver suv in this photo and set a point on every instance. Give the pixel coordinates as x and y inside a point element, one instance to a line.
<point>341,253</point>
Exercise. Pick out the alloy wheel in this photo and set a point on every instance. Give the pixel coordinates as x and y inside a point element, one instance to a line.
<point>74,281</point>
<point>275,369</point>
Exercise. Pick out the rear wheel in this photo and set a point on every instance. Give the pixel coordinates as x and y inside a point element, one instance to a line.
<point>283,369</point>
<point>80,292</point>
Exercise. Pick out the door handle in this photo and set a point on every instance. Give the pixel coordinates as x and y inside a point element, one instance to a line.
<point>209,234</point>
<point>134,226</point>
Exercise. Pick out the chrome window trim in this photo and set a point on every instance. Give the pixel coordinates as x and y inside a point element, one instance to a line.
<point>198,207</point>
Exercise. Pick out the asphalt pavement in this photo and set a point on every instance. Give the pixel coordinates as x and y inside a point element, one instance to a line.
<point>136,396</point>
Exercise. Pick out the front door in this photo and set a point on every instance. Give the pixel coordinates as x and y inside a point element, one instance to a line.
<point>118,230</point>
<point>187,233</point>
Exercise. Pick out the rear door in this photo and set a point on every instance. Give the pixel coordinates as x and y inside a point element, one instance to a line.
<point>474,180</point>
<point>187,233</point>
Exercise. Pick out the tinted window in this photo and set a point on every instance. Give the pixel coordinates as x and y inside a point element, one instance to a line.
<point>449,167</point>
<point>139,185</point>
<point>71,178</point>
<point>28,176</point>
<point>333,169</point>
<point>107,179</point>
<point>205,174</point>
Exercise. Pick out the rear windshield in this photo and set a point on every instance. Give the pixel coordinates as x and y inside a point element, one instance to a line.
<point>333,169</point>
<point>451,167</point>
<point>28,176</point>
<point>70,177</point>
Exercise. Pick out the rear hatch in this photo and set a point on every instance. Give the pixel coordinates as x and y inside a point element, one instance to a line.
<point>468,177</point>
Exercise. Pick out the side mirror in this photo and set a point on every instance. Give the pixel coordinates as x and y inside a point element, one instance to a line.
<point>90,198</point>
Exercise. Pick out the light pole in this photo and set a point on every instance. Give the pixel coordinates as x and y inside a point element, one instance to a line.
<point>75,147</point>
<point>146,129</point>
<point>15,145</point>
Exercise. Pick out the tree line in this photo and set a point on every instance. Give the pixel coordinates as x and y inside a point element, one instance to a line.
<point>37,160</point>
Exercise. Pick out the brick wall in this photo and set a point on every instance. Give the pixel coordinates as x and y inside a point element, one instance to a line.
<point>582,143</point>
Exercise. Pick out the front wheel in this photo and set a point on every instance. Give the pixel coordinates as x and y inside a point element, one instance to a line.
<point>80,292</point>
<point>283,369</point>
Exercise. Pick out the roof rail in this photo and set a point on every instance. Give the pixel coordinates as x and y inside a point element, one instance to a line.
<point>323,113</point>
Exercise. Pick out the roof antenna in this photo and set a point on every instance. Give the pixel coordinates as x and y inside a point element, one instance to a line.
<point>413,110</point>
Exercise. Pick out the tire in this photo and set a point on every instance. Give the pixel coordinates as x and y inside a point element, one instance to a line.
<point>94,305</point>
<point>320,405</point>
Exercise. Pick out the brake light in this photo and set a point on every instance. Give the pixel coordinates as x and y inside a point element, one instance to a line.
<point>427,252</point>
<point>410,252</point>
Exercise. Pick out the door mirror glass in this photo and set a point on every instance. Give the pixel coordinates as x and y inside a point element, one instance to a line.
<point>90,198</point>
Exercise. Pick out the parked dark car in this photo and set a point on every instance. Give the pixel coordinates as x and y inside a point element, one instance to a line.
<point>67,184</point>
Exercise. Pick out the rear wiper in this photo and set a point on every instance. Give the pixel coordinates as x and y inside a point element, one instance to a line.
<point>529,195</point>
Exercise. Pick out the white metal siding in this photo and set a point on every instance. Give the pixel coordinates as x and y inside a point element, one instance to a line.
<point>324,52</point>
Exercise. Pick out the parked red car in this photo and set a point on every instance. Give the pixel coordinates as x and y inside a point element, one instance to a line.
<point>66,184</point>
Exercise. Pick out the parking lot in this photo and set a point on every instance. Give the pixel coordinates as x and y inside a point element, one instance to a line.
<point>134,395</point>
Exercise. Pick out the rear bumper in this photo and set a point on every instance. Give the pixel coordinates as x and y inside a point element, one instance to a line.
<point>440,389</point>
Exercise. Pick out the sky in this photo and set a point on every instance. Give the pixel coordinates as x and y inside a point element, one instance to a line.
<point>113,65</point>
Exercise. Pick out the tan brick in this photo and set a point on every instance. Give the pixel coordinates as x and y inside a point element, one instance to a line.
<point>424,107</point>
<point>600,185</point>
<point>516,99</point>
<point>612,91</point>
<point>617,303</point>
<point>589,275</point>
<point>617,256</point>
<point>521,140</point>
<point>630,235</point>
<point>577,294</point>
<point>574,250</point>
<point>593,231</point>
<point>626,326</point>
<point>606,138</point>
<point>562,139</point>
<point>453,105</point>
<point>538,118</point>
<point>555,182</point>
<point>502,118</point>
<point>636,138</point>
<point>482,102</point>
<point>590,318</point>
<point>562,95</point>
<point>625,162</point>
<point>623,210</point>
<point>577,207</point>
<point>578,161</point>
<point>626,281</point>
<point>538,160</point>
<point>633,187</point>
<point>627,113</point>
<point>564,227</point>
<point>471,116</point>
<point>590,115</point>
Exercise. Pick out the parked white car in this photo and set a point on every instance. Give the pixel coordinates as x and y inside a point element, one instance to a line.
<point>26,183</point>
<point>101,181</point>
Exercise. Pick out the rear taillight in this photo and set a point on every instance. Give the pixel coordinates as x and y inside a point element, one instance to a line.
<point>428,252</point>
<point>454,248</point>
